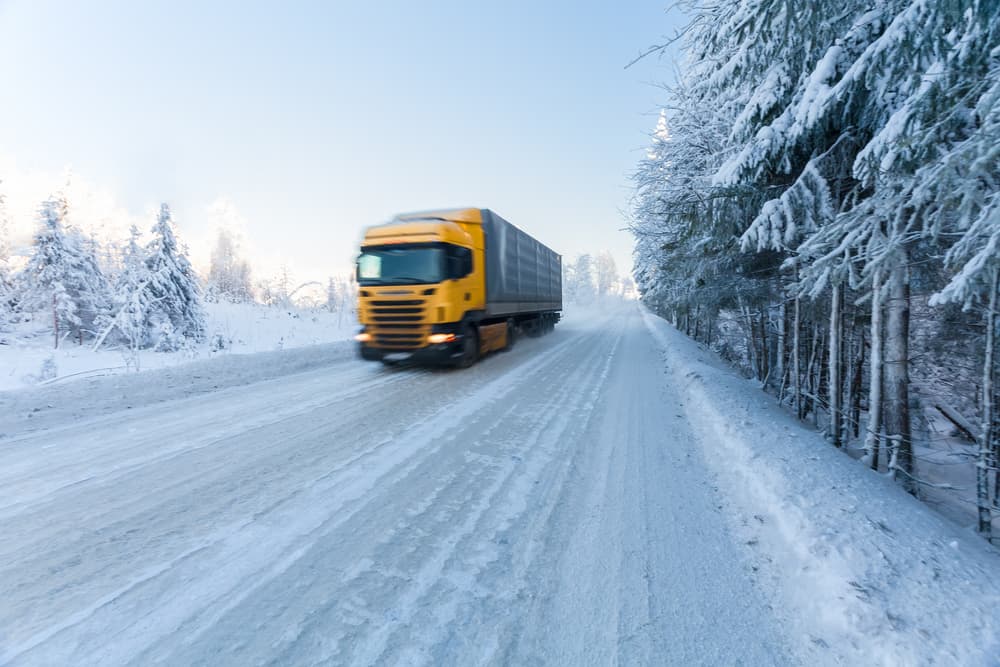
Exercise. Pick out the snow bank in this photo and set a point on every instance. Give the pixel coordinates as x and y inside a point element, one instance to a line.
<point>27,357</point>
<point>859,569</point>
<point>56,404</point>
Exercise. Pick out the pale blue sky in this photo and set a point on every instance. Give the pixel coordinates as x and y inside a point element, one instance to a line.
<point>318,118</point>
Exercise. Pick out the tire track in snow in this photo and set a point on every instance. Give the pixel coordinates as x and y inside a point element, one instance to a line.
<point>47,475</point>
<point>235,564</point>
<point>420,478</point>
<point>450,578</point>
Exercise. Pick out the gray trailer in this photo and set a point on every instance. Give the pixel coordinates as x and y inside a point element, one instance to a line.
<point>523,276</point>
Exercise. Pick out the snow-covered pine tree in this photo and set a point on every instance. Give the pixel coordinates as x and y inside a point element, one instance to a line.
<point>131,301</point>
<point>62,277</point>
<point>962,192</point>
<point>857,141</point>
<point>175,315</point>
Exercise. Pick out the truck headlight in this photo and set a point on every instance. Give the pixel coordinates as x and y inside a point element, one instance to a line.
<point>363,337</point>
<point>437,338</point>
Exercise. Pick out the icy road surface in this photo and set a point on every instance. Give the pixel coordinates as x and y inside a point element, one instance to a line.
<point>552,505</point>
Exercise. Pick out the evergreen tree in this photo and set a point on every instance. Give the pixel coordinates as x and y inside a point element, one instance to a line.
<point>175,315</point>
<point>132,300</point>
<point>63,277</point>
<point>846,147</point>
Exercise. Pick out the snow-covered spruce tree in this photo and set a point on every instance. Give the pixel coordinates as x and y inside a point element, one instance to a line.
<point>175,315</point>
<point>937,57</point>
<point>62,277</point>
<point>808,129</point>
<point>961,193</point>
<point>131,302</point>
<point>834,118</point>
<point>687,264</point>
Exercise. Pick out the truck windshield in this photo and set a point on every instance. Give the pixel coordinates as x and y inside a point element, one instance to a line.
<point>401,265</point>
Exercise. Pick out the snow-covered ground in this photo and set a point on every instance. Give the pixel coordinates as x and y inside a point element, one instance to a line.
<point>610,493</point>
<point>240,328</point>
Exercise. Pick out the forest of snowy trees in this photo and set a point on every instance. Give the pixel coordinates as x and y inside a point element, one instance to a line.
<point>588,279</point>
<point>134,295</point>
<point>821,204</point>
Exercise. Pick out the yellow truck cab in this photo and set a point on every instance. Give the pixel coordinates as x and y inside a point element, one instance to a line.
<point>450,286</point>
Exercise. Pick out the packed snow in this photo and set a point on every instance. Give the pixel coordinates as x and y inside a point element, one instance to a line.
<point>607,494</point>
<point>28,357</point>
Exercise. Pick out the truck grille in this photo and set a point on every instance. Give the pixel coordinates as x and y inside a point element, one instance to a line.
<point>397,324</point>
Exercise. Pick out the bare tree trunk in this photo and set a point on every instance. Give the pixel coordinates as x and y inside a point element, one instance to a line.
<point>822,385</point>
<point>856,387</point>
<point>897,376</point>
<point>765,351</point>
<point>796,361</point>
<point>875,381</point>
<point>811,388</point>
<point>780,360</point>
<point>751,345</point>
<point>985,460</point>
<point>834,385</point>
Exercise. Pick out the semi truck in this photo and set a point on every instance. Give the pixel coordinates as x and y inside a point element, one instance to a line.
<point>446,287</point>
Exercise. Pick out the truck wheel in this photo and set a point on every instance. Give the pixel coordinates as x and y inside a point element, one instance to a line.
<point>511,335</point>
<point>470,347</point>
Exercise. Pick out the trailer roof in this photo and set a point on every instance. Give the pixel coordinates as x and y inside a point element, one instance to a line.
<point>468,215</point>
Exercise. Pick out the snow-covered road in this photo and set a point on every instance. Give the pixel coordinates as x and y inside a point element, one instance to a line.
<point>551,505</point>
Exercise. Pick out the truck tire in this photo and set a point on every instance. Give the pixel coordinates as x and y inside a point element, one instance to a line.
<point>511,335</point>
<point>470,347</point>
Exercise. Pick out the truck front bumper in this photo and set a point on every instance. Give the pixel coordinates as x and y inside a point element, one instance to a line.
<point>443,353</point>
